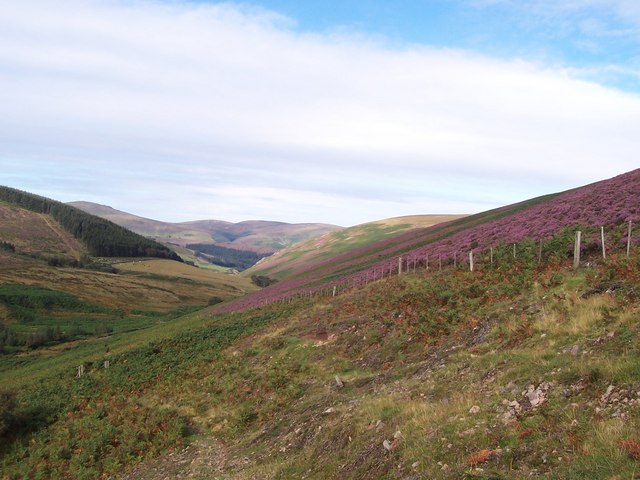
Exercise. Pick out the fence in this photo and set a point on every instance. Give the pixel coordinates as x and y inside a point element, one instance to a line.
<point>412,261</point>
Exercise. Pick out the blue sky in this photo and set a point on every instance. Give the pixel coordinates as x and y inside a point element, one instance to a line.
<point>337,112</point>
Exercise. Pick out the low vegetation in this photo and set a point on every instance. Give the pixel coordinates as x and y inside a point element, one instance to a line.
<point>515,370</point>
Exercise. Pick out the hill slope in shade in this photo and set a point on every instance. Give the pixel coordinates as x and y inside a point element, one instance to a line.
<point>258,236</point>
<point>305,255</point>
<point>608,203</point>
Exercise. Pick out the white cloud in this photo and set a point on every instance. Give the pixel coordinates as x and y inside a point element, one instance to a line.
<point>199,99</point>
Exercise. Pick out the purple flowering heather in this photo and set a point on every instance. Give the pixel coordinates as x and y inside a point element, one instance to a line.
<point>608,203</point>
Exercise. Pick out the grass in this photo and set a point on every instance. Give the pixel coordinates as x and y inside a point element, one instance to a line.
<point>414,354</point>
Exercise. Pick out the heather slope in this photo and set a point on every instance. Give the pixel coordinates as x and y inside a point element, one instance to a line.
<point>305,255</point>
<point>609,203</point>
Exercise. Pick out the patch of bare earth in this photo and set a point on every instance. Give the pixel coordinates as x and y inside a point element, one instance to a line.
<point>205,458</point>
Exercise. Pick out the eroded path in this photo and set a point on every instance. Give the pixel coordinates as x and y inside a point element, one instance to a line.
<point>73,250</point>
<point>204,459</point>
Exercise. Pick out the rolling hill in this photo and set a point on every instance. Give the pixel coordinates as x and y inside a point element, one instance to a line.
<point>305,255</point>
<point>256,236</point>
<point>525,367</point>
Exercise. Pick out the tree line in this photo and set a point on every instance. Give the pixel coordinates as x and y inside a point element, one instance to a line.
<point>102,237</point>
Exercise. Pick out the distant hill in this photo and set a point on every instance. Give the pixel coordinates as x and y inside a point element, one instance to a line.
<point>305,255</point>
<point>258,236</point>
<point>101,237</point>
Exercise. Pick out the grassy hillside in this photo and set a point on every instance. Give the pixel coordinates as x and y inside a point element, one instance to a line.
<point>53,293</point>
<point>305,255</point>
<point>515,370</point>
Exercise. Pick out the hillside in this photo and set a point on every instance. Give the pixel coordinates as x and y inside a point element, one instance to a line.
<point>525,367</point>
<point>256,236</point>
<point>609,203</point>
<point>54,291</point>
<point>516,370</point>
<point>101,237</point>
<point>305,255</point>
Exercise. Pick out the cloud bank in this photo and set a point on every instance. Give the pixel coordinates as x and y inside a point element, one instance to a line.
<point>182,111</point>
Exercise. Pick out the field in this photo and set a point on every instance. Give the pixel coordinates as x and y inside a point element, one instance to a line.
<point>158,285</point>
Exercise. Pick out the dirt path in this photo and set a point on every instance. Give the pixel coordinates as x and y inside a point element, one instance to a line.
<point>204,459</point>
<point>72,248</point>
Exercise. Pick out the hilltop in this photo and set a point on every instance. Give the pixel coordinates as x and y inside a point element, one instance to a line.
<point>255,235</point>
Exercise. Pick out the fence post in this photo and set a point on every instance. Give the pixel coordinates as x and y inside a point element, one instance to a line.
<point>491,255</point>
<point>471,260</point>
<point>540,251</point>
<point>80,369</point>
<point>576,250</point>
<point>334,290</point>
<point>455,260</point>
<point>399,265</point>
<point>426,262</point>
<point>514,250</point>
<point>440,263</point>
<point>604,251</point>
<point>629,240</point>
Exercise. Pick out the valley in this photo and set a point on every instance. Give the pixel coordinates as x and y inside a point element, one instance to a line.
<point>388,358</point>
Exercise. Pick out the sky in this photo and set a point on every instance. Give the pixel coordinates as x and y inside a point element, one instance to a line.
<point>338,112</point>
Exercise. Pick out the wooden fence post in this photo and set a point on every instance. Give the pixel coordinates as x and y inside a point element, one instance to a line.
<point>471,261</point>
<point>440,263</point>
<point>399,265</point>
<point>540,251</point>
<point>426,262</point>
<point>455,260</point>
<point>576,250</point>
<point>80,369</point>
<point>604,250</point>
<point>514,250</point>
<point>491,255</point>
<point>629,240</point>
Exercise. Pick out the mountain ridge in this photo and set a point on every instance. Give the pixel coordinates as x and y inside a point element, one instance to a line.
<point>260,236</point>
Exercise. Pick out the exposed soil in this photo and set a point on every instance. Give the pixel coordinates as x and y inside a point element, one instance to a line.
<point>205,458</point>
